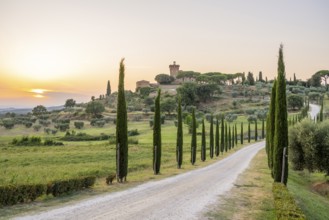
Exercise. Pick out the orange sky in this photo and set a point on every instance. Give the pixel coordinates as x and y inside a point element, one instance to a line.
<point>72,47</point>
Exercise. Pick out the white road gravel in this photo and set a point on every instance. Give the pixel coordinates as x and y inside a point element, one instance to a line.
<point>314,110</point>
<point>185,196</point>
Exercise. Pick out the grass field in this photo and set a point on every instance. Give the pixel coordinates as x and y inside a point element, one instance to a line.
<point>42,164</point>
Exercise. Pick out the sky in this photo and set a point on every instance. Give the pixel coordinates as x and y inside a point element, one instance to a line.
<point>53,50</point>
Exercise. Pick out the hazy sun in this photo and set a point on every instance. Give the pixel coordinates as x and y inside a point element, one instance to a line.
<point>38,93</point>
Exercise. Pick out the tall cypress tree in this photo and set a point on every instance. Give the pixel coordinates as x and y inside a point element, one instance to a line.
<point>217,138</point>
<point>193,141</point>
<point>249,132</point>
<point>108,89</point>
<point>256,131</point>
<point>179,144</point>
<point>263,129</point>
<point>321,111</point>
<point>121,129</point>
<point>222,139</point>
<point>281,125</point>
<point>229,138</point>
<point>226,138</point>
<point>271,127</point>
<point>241,134</point>
<point>203,141</point>
<point>211,137</point>
<point>233,137</point>
<point>236,135</point>
<point>157,135</point>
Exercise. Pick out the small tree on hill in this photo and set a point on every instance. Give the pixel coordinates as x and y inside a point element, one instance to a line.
<point>222,139</point>
<point>248,132</point>
<point>39,110</point>
<point>69,103</point>
<point>241,134</point>
<point>108,88</point>
<point>211,137</point>
<point>217,138</point>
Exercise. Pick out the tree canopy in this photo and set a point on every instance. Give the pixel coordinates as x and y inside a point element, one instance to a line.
<point>164,78</point>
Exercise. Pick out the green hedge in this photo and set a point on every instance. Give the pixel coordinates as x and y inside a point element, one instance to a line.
<point>61,187</point>
<point>12,194</point>
<point>285,204</point>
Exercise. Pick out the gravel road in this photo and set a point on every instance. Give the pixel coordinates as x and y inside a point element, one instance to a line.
<point>314,110</point>
<point>185,196</point>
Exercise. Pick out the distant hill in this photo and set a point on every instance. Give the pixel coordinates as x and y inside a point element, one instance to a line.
<point>26,110</point>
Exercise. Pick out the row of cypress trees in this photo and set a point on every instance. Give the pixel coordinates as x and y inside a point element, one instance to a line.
<point>277,126</point>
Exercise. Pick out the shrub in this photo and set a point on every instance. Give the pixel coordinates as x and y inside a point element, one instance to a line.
<point>45,123</point>
<point>132,141</point>
<point>100,123</point>
<point>79,124</point>
<point>60,187</point>
<point>26,141</point>
<point>36,127</point>
<point>62,126</point>
<point>11,195</point>
<point>28,124</point>
<point>252,118</point>
<point>133,132</point>
<point>8,123</point>
<point>84,137</point>
<point>52,143</point>
<point>284,203</point>
<point>250,111</point>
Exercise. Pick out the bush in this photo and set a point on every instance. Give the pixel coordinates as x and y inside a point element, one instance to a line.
<point>284,203</point>
<point>45,123</point>
<point>60,187</point>
<point>84,137</point>
<point>62,126</point>
<point>79,124</point>
<point>8,123</point>
<point>11,195</point>
<point>36,127</point>
<point>252,118</point>
<point>132,141</point>
<point>52,143</point>
<point>27,141</point>
<point>28,124</point>
<point>133,132</point>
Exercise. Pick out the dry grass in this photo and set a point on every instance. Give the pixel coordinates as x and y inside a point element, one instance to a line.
<point>251,195</point>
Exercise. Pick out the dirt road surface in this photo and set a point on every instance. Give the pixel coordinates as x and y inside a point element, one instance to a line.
<point>314,110</point>
<point>185,196</point>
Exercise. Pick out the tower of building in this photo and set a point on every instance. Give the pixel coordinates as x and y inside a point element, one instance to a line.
<point>174,69</point>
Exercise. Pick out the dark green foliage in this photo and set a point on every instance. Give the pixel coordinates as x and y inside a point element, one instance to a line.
<point>250,78</point>
<point>281,123</point>
<point>285,205</point>
<point>179,142</point>
<point>263,129</point>
<point>249,132</point>
<point>211,146</point>
<point>49,142</point>
<point>233,136</point>
<point>69,103</point>
<point>164,78</point>
<point>256,131</point>
<point>217,150</point>
<point>108,88</point>
<point>241,134</point>
<point>133,132</point>
<point>79,124</point>
<point>270,126</point>
<point>72,136</point>
<point>96,108</point>
<point>321,111</point>
<point>229,138</point>
<point>236,134</point>
<point>62,126</point>
<point>194,139</point>
<point>60,187</point>
<point>8,123</point>
<point>295,101</point>
<point>226,138</point>
<point>27,141</point>
<point>39,110</point>
<point>222,139</point>
<point>157,135</point>
<point>203,143</point>
<point>121,129</point>
<point>12,194</point>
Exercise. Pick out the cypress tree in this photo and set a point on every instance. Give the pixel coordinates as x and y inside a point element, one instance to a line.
<point>108,89</point>
<point>222,139</point>
<point>211,137</point>
<point>321,111</point>
<point>121,129</point>
<point>226,139</point>
<point>256,131</point>
<point>217,138</point>
<point>203,147</point>
<point>157,135</point>
<point>236,135</point>
<point>233,136</point>
<point>241,134</point>
<point>281,125</point>
<point>179,145</point>
<point>249,132</point>
<point>193,141</point>
<point>229,138</point>
<point>263,129</point>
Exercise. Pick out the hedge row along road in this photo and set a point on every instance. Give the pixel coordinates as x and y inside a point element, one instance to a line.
<point>185,196</point>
